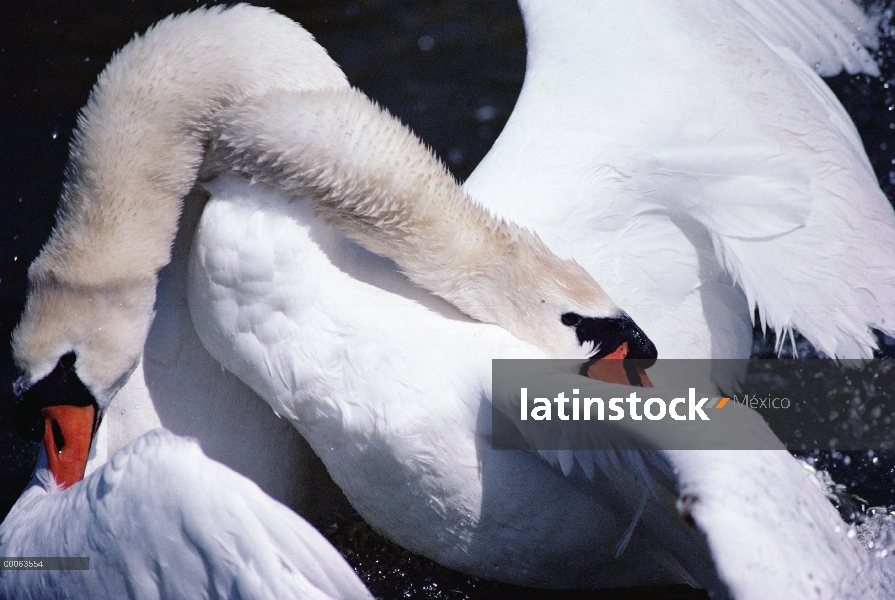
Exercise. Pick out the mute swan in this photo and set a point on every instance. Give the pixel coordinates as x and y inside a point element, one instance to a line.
<point>770,531</point>
<point>161,520</point>
<point>176,383</point>
<point>89,306</point>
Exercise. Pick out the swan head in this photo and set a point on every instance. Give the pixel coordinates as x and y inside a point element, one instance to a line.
<point>552,303</point>
<point>74,348</point>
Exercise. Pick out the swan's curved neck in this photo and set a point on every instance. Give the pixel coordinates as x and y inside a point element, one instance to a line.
<point>135,154</point>
<point>379,185</point>
<point>140,139</point>
<point>243,85</point>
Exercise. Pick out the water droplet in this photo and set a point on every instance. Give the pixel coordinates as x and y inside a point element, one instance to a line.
<point>426,43</point>
<point>456,156</point>
<point>485,113</point>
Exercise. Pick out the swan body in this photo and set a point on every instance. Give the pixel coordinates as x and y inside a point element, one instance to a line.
<point>675,214</point>
<point>391,387</point>
<point>161,520</point>
<point>337,341</point>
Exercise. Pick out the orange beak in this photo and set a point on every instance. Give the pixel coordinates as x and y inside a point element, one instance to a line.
<point>68,432</point>
<point>611,369</point>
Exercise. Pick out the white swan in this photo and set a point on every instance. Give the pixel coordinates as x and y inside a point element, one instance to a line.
<point>176,383</point>
<point>770,530</point>
<point>161,520</point>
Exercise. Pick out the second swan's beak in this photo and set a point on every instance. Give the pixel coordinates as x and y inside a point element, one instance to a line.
<point>613,368</point>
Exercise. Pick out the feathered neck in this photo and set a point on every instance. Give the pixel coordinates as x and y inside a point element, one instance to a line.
<point>379,185</point>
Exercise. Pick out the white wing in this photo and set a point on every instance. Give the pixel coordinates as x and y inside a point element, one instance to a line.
<point>731,516</point>
<point>829,35</point>
<point>161,520</point>
<point>681,152</point>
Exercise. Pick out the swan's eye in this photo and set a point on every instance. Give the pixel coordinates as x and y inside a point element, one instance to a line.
<point>570,319</point>
<point>68,361</point>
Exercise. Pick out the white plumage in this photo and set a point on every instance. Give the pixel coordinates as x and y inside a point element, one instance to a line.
<point>671,200</point>
<point>675,198</point>
<point>161,520</point>
<point>686,155</point>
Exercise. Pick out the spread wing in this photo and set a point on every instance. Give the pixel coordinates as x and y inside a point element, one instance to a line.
<point>682,150</point>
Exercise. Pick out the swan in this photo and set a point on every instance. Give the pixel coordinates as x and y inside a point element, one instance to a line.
<point>81,339</point>
<point>176,383</point>
<point>161,520</point>
<point>344,350</point>
<point>701,257</point>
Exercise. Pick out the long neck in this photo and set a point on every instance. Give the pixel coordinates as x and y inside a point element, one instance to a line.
<point>134,156</point>
<point>379,185</point>
<point>140,138</point>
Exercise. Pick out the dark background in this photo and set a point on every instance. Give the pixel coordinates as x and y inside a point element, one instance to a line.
<point>450,69</point>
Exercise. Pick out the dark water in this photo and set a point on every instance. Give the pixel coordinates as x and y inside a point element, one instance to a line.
<point>450,69</point>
